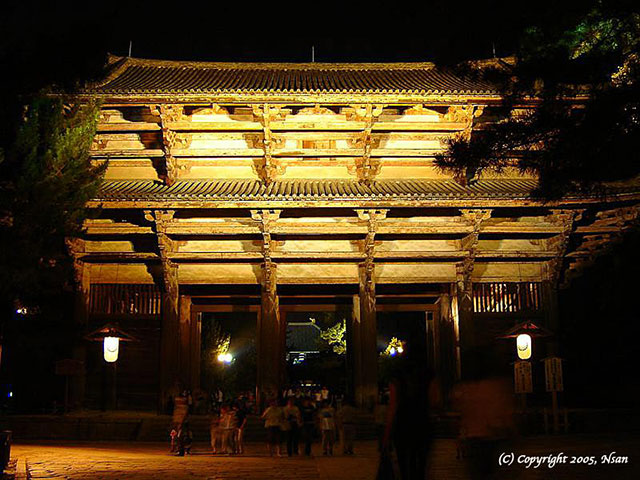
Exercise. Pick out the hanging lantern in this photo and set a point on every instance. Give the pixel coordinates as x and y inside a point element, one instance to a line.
<point>523,346</point>
<point>110,336</point>
<point>111,348</point>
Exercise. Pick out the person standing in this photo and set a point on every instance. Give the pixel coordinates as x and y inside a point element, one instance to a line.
<point>273,418</point>
<point>347,420</point>
<point>241,415</point>
<point>293,419</point>
<point>325,395</point>
<point>214,430</point>
<point>180,409</point>
<point>326,417</point>
<point>308,415</point>
<point>228,425</point>
<point>408,425</point>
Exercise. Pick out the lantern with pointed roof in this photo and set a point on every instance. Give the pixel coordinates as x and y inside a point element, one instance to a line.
<point>524,333</point>
<point>110,335</point>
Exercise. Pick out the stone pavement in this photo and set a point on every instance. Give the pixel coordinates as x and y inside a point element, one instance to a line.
<point>145,461</point>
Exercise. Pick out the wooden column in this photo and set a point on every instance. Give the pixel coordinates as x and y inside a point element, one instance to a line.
<point>449,349</point>
<point>270,355</point>
<point>364,328</point>
<point>464,291</point>
<point>170,337</point>
<point>271,330</point>
<point>189,345</point>
<point>166,276</point>
<point>365,344</point>
<point>550,295</point>
<point>354,351</point>
<point>466,330</point>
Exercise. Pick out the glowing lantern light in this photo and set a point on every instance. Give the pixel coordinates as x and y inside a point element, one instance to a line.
<point>523,346</point>
<point>111,348</point>
<point>110,336</point>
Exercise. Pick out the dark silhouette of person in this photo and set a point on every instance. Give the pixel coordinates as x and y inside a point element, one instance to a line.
<point>408,424</point>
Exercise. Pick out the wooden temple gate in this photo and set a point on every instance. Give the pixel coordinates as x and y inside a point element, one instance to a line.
<point>267,176</point>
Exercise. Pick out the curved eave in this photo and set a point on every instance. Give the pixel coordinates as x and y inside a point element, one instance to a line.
<point>361,202</point>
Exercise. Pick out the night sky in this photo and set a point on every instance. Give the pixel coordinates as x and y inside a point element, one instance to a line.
<point>45,42</point>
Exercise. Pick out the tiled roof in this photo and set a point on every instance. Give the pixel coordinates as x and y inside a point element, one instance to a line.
<point>253,190</point>
<point>138,76</point>
<point>303,337</point>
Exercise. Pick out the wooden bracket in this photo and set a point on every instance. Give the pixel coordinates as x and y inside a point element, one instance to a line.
<point>270,168</point>
<point>168,114</point>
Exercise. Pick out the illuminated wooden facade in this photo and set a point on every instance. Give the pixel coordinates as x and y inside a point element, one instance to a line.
<point>246,186</point>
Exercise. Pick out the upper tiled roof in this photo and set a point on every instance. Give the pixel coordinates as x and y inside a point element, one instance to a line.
<point>137,76</point>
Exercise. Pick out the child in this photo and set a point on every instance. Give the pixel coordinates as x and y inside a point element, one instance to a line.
<point>174,438</point>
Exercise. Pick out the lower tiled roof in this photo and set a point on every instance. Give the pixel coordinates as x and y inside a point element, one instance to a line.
<point>253,190</point>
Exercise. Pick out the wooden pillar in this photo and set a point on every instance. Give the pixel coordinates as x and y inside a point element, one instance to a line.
<point>270,338</point>
<point>365,340</point>
<point>464,297</point>
<point>448,348</point>
<point>170,337</point>
<point>354,351</point>
<point>189,345</point>
<point>550,295</point>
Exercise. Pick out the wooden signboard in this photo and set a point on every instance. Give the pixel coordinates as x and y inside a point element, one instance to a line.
<point>523,377</point>
<point>553,374</point>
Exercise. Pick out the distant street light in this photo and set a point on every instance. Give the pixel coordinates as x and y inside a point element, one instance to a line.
<point>225,358</point>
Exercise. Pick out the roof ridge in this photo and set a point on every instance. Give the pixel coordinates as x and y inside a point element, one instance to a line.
<point>132,61</point>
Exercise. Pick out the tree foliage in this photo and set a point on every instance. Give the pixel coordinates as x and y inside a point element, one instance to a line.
<point>585,128</point>
<point>334,336</point>
<point>46,180</point>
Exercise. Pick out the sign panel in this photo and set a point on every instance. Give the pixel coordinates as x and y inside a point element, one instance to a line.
<point>523,377</point>
<point>553,374</point>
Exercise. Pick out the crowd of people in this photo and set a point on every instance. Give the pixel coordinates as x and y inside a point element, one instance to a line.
<point>301,419</point>
<point>295,421</point>
<point>228,420</point>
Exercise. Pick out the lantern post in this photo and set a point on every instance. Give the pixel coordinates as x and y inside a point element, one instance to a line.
<point>523,333</point>
<point>111,335</point>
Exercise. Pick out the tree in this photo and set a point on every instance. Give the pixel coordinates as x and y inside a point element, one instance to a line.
<point>335,337</point>
<point>584,129</point>
<point>47,179</point>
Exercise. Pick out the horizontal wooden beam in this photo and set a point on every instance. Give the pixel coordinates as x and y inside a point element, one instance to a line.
<point>257,152</point>
<point>354,256</point>
<point>343,226</point>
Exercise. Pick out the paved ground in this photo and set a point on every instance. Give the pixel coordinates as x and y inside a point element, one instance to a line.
<point>139,461</point>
